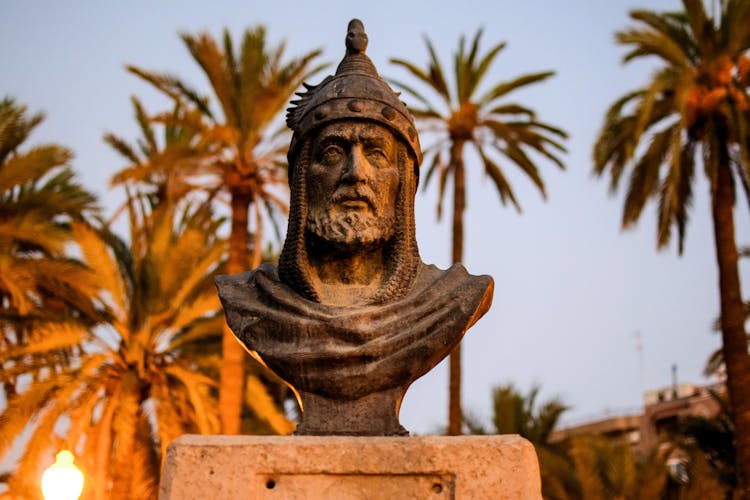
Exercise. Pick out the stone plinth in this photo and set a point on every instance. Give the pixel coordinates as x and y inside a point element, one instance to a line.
<point>311,467</point>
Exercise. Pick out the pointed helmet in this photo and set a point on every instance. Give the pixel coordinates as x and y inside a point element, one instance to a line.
<point>356,91</point>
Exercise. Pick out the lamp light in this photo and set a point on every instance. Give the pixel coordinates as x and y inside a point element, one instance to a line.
<point>62,480</point>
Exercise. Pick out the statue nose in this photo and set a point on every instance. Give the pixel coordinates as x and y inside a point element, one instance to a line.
<point>356,166</point>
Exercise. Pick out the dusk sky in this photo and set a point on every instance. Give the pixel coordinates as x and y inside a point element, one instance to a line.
<point>574,295</point>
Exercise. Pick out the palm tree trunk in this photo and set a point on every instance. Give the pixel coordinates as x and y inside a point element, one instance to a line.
<point>232,375</point>
<point>125,425</point>
<point>104,449</point>
<point>455,416</point>
<point>734,338</point>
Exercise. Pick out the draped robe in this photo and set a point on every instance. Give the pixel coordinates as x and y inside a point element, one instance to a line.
<point>342,353</point>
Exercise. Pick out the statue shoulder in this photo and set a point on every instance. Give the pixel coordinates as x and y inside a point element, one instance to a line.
<point>455,287</point>
<point>457,273</point>
<point>231,284</point>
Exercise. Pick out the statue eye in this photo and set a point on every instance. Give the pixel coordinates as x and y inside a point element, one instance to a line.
<point>377,154</point>
<point>331,154</point>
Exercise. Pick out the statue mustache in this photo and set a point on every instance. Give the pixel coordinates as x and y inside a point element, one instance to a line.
<point>357,193</point>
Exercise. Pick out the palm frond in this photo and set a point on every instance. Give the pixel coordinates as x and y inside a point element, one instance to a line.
<point>260,401</point>
<point>444,172</point>
<point>651,43</point>
<point>504,88</point>
<point>512,109</point>
<point>425,78</point>
<point>701,26</point>
<point>517,156</point>
<point>436,73</point>
<point>428,109</point>
<point>49,336</point>
<point>644,178</point>
<point>121,146</point>
<point>197,387</point>
<point>501,183</point>
<point>15,126</point>
<point>34,230</point>
<point>460,69</point>
<point>97,253</point>
<point>484,65</point>
<point>436,164</point>
<point>16,415</point>
<point>145,125</point>
<point>675,195</point>
<point>31,166</point>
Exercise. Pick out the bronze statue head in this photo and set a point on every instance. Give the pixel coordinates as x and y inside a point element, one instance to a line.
<point>353,173</point>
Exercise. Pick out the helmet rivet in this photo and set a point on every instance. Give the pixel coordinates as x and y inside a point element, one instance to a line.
<point>355,106</point>
<point>388,112</point>
<point>321,113</point>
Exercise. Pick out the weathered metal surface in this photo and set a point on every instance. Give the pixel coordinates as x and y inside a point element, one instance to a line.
<point>352,316</point>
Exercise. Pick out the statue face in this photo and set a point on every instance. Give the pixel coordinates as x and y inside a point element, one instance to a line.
<point>352,183</point>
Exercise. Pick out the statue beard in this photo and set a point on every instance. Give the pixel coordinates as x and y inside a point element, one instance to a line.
<point>349,229</point>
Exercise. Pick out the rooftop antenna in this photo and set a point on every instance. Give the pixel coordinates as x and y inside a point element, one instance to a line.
<point>639,352</point>
<point>674,381</point>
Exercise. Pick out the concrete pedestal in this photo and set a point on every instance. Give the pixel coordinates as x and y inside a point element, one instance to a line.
<point>332,467</point>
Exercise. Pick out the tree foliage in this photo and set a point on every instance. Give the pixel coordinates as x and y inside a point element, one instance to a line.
<point>522,414</point>
<point>708,445</point>
<point>694,111</point>
<point>251,87</point>
<point>502,132</point>
<point>695,107</point>
<point>135,382</point>
<point>167,169</point>
<point>42,281</point>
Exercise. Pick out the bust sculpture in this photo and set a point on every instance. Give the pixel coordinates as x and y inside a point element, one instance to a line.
<point>352,316</point>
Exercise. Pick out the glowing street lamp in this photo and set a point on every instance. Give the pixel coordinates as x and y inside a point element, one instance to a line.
<point>62,480</point>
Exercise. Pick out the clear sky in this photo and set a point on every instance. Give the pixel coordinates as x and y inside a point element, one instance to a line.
<point>573,294</point>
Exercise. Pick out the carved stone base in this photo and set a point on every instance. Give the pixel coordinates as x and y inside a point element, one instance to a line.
<point>312,467</point>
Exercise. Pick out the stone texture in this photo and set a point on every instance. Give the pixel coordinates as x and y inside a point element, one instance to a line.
<point>311,467</point>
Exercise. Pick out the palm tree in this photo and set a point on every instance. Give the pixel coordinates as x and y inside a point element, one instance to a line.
<point>41,281</point>
<point>696,105</point>
<point>139,380</point>
<point>581,466</point>
<point>498,130</point>
<point>709,443</point>
<point>609,469</point>
<point>517,413</point>
<point>252,87</point>
<point>170,169</point>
